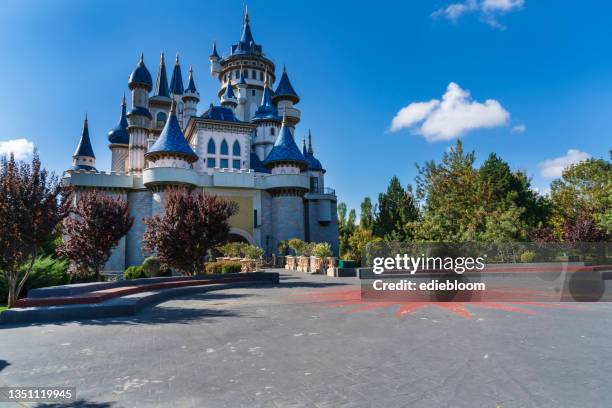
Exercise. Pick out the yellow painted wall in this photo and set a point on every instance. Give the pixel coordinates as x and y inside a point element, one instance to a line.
<point>244,198</point>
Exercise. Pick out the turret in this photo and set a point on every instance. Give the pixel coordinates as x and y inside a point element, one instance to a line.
<point>159,103</point>
<point>285,157</point>
<point>315,169</point>
<point>83,157</point>
<point>228,100</point>
<point>191,99</point>
<point>119,140</point>
<point>285,97</point>
<point>139,117</point>
<point>215,66</point>
<point>171,148</point>
<point>268,123</point>
<point>242,87</point>
<point>177,89</point>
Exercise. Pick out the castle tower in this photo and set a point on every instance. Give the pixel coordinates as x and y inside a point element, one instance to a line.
<point>191,99</point>
<point>177,90</point>
<point>285,98</point>
<point>139,117</point>
<point>83,157</point>
<point>170,150</point>
<point>229,100</point>
<point>287,202</point>
<point>315,169</point>
<point>246,60</point>
<point>159,103</point>
<point>268,124</point>
<point>215,67</point>
<point>119,141</point>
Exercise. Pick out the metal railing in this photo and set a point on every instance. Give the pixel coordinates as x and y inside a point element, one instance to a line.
<point>323,190</point>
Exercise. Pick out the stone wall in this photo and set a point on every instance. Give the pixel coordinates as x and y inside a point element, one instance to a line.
<point>140,207</point>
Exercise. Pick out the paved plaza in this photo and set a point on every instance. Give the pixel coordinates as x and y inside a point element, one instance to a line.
<point>308,342</point>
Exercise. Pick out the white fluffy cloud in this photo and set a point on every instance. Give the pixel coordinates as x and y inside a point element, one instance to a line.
<point>21,148</point>
<point>554,167</point>
<point>487,10</point>
<point>519,128</point>
<point>453,116</point>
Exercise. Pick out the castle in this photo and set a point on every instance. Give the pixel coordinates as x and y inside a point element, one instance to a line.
<point>243,150</point>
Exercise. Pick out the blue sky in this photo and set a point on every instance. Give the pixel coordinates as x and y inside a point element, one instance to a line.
<point>544,66</point>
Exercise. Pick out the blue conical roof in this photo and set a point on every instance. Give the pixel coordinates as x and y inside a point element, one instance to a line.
<point>176,83</point>
<point>313,162</point>
<point>84,148</point>
<point>172,140</point>
<point>215,54</point>
<point>246,45</point>
<point>228,95</point>
<point>140,76</point>
<point>191,86</point>
<point>285,149</point>
<point>285,90</point>
<point>120,134</point>
<point>267,110</point>
<point>161,85</point>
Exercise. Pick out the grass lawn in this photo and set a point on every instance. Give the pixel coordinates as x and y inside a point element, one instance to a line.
<point>3,308</point>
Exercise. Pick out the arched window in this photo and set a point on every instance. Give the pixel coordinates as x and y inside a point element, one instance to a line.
<point>160,118</point>
<point>211,147</point>
<point>246,74</point>
<point>236,148</point>
<point>224,148</point>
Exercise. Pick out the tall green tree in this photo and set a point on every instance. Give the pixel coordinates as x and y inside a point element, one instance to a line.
<point>366,217</point>
<point>584,190</point>
<point>449,192</point>
<point>396,210</point>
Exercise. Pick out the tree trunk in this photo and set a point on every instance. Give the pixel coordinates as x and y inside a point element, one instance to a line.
<point>97,274</point>
<point>25,276</point>
<point>12,283</point>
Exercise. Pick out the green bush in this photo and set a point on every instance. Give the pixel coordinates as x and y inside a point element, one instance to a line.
<point>253,252</point>
<point>220,267</point>
<point>152,268</point>
<point>283,248</point>
<point>322,250</point>
<point>528,256</point>
<point>134,272</point>
<point>46,271</point>
<point>233,249</point>
<point>231,267</point>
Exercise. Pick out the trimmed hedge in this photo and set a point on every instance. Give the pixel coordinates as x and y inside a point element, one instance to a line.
<point>46,271</point>
<point>134,272</point>
<point>221,267</point>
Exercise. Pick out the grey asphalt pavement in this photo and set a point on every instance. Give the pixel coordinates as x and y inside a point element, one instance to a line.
<point>274,347</point>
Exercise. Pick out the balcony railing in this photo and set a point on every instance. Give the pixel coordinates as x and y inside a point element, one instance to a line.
<point>324,190</point>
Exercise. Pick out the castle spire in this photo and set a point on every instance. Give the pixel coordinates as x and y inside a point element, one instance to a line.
<point>161,85</point>
<point>310,143</point>
<point>176,83</point>
<point>84,157</point>
<point>119,134</point>
<point>191,86</point>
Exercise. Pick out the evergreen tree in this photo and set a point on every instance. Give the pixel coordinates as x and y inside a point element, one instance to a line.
<point>396,210</point>
<point>366,217</point>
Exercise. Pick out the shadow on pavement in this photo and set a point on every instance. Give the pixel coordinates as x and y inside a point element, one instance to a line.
<point>78,404</point>
<point>154,314</point>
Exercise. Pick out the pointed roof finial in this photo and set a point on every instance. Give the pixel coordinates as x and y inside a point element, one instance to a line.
<point>246,14</point>
<point>284,68</point>
<point>173,108</point>
<point>176,61</point>
<point>85,121</point>
<point>123,104</point>
<point>310,142</point>
<point>142,57</point>
<point>161,57</point>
